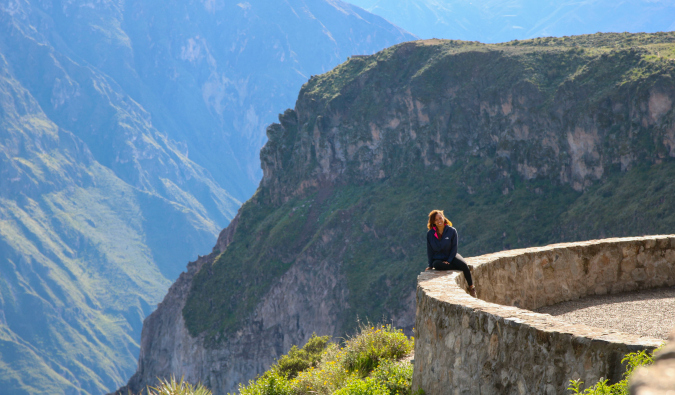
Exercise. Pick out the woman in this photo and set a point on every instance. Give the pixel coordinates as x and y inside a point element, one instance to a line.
<point>442,248</point>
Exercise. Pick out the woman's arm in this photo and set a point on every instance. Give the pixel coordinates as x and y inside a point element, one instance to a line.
<point>430,253</point>
<point>431,248</point>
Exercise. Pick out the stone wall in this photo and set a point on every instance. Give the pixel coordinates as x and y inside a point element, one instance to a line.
<point>492,345</point>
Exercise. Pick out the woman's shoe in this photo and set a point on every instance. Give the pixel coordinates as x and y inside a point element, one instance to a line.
<point>472,291</point>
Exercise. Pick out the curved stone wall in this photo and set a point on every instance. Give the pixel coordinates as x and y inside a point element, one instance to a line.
<point>496,345</point>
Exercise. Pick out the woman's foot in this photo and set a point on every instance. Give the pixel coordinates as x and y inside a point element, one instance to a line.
<point>472,291</point>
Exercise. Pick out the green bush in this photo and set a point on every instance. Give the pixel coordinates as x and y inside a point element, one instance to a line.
<point>298,360</point>
<point>367,363</point>
<point>396,376</point>
<point>329,376</point>
<point>369,386</point>
<point>632,360</point>
<point>373,344</point>
<point>182,387</point>
<point>270,383</point>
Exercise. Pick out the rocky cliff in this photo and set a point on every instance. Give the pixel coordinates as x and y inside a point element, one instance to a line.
<point>524,143</point>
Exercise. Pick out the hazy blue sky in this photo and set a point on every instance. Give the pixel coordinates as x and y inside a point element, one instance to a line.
<point>505,20</point>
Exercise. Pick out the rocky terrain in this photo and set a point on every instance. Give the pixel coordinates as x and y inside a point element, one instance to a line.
<point>524,143</point>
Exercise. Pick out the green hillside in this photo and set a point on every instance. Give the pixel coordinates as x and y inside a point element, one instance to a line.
<point>56,197</point>
<point>525,143</point>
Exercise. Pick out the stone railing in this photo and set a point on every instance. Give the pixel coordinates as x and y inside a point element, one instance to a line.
<point>496,345</point>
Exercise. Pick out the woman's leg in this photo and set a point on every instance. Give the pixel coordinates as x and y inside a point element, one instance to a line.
<point>460,264</point>
<point>440,265</point>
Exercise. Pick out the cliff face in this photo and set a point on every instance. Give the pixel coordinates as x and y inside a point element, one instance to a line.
<point>304,300</point>
<point>525,143</point>
<point>567,115</point>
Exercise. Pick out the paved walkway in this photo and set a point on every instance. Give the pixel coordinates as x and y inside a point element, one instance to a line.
<point>646,313</point>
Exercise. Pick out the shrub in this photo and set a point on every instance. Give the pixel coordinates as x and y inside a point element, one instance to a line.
<point>396,376</point>
<point>270,383</point>
<point>329,375</point>
<point>182,387</point>
<point>298,360</point>
<point>369,386</point>
<point>323,368</point>
<point>373,344</point>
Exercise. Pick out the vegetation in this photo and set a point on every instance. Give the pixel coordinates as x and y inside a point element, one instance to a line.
<point>368,363</point>
<point>632,360</point>
<point>182,387</point>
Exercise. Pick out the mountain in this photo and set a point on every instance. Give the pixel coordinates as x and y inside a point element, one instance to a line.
<point>504,20</point>
<point>213,74</point>
<point>86,250</point>
<point>524,143</point>
<point>128,131</point>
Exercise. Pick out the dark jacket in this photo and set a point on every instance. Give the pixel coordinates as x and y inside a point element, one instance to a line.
<point>443,247</point>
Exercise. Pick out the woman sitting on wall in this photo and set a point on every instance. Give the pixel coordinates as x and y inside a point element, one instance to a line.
<point>442,248</point>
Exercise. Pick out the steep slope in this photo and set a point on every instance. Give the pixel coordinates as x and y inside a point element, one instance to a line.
<point>89,190</point>
<point>524,143</point>
<point>76,275</point>
<point>117,131</point>
<point>127,128</point>
<point>503,20</point>
<point>211,74</point>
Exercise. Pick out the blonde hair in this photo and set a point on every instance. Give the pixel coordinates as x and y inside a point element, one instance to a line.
<point>432,219</point>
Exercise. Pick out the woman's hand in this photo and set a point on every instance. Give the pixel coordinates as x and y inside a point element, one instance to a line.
<point>427,269</point>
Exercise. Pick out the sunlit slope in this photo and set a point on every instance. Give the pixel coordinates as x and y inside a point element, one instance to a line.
<point>77,270</point>
<point>209,75</point>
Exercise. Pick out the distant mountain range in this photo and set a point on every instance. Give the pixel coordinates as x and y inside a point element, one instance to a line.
<point>495,21</point>
<point>129,135</point>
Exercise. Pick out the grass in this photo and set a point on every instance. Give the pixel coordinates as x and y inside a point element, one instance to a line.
<point>367,363</point>
<point>181,387</point>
